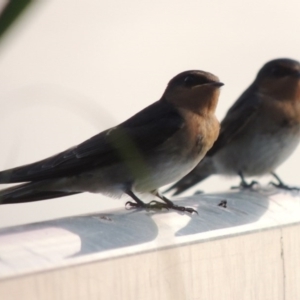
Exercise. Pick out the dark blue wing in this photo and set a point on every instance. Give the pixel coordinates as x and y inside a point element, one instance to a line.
<point>237,118</point>
<point>141,133</point>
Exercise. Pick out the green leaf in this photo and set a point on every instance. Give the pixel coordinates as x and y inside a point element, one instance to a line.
<point>11,12</point>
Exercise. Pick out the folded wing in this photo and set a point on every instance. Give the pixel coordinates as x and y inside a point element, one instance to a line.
<point>139,135</point>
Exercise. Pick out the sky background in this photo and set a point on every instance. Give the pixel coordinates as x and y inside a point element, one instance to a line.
<point>70,69</point>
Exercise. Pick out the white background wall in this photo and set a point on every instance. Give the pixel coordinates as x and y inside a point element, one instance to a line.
<point>69,69</point>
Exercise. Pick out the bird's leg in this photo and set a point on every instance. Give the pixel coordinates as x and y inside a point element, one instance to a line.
<point>138,203</point>
<point>155,204</point>
<point>169,204</point>
<point>244,184</point>
<point>282,185</point>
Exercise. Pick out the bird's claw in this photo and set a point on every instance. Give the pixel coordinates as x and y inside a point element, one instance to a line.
<point>133,204</point>
<point>245,185</point>
<point>183,209</point>
<point>284,186</point>
<point>152,205</point>
<point>172,206</point>
<point>159,205</point>
<point>190,210</point>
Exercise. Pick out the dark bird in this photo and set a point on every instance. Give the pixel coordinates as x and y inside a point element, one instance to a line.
<point>156,146</point>
<point>259,132</point>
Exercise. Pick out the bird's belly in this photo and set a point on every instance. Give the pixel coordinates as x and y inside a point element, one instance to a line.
<point>164,172</point>
<point>257,155</point>
<point>140,176</point>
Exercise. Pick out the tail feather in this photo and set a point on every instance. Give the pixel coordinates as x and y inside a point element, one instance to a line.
<point>29,192</point>
<point>203,170</point>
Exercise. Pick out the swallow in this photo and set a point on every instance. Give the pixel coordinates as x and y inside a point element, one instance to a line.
<point>156,146</point>
<point>259,132</point>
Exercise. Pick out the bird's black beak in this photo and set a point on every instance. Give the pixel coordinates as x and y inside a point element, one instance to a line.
<point>216,83</point>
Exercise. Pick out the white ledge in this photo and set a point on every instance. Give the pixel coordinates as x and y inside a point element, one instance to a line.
<point>249,250</point>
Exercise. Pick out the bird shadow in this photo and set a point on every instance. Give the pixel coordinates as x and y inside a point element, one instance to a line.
<point>117,229</point>
<point>98,232</point>
<point>241,207</point>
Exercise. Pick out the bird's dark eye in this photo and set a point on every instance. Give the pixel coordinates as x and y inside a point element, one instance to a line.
<point>189,80</point>
<point>281,72</point>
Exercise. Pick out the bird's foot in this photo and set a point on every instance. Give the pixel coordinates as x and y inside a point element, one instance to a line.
<point>171,205</point>
<point>130,204</point>
<point>283,186</point>
<point>159,206</point>
<point>244,185</point>
<point>223,203</point>
<point>152,205</point>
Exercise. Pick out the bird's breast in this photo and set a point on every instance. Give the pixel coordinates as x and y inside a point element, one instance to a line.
<point>263,146</point>
<point>180,153</point>
<point>201,134</point>
<point>195,138</point>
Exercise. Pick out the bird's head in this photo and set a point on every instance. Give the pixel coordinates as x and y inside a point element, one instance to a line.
<point>197,91</point>
<point>280,79</point>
